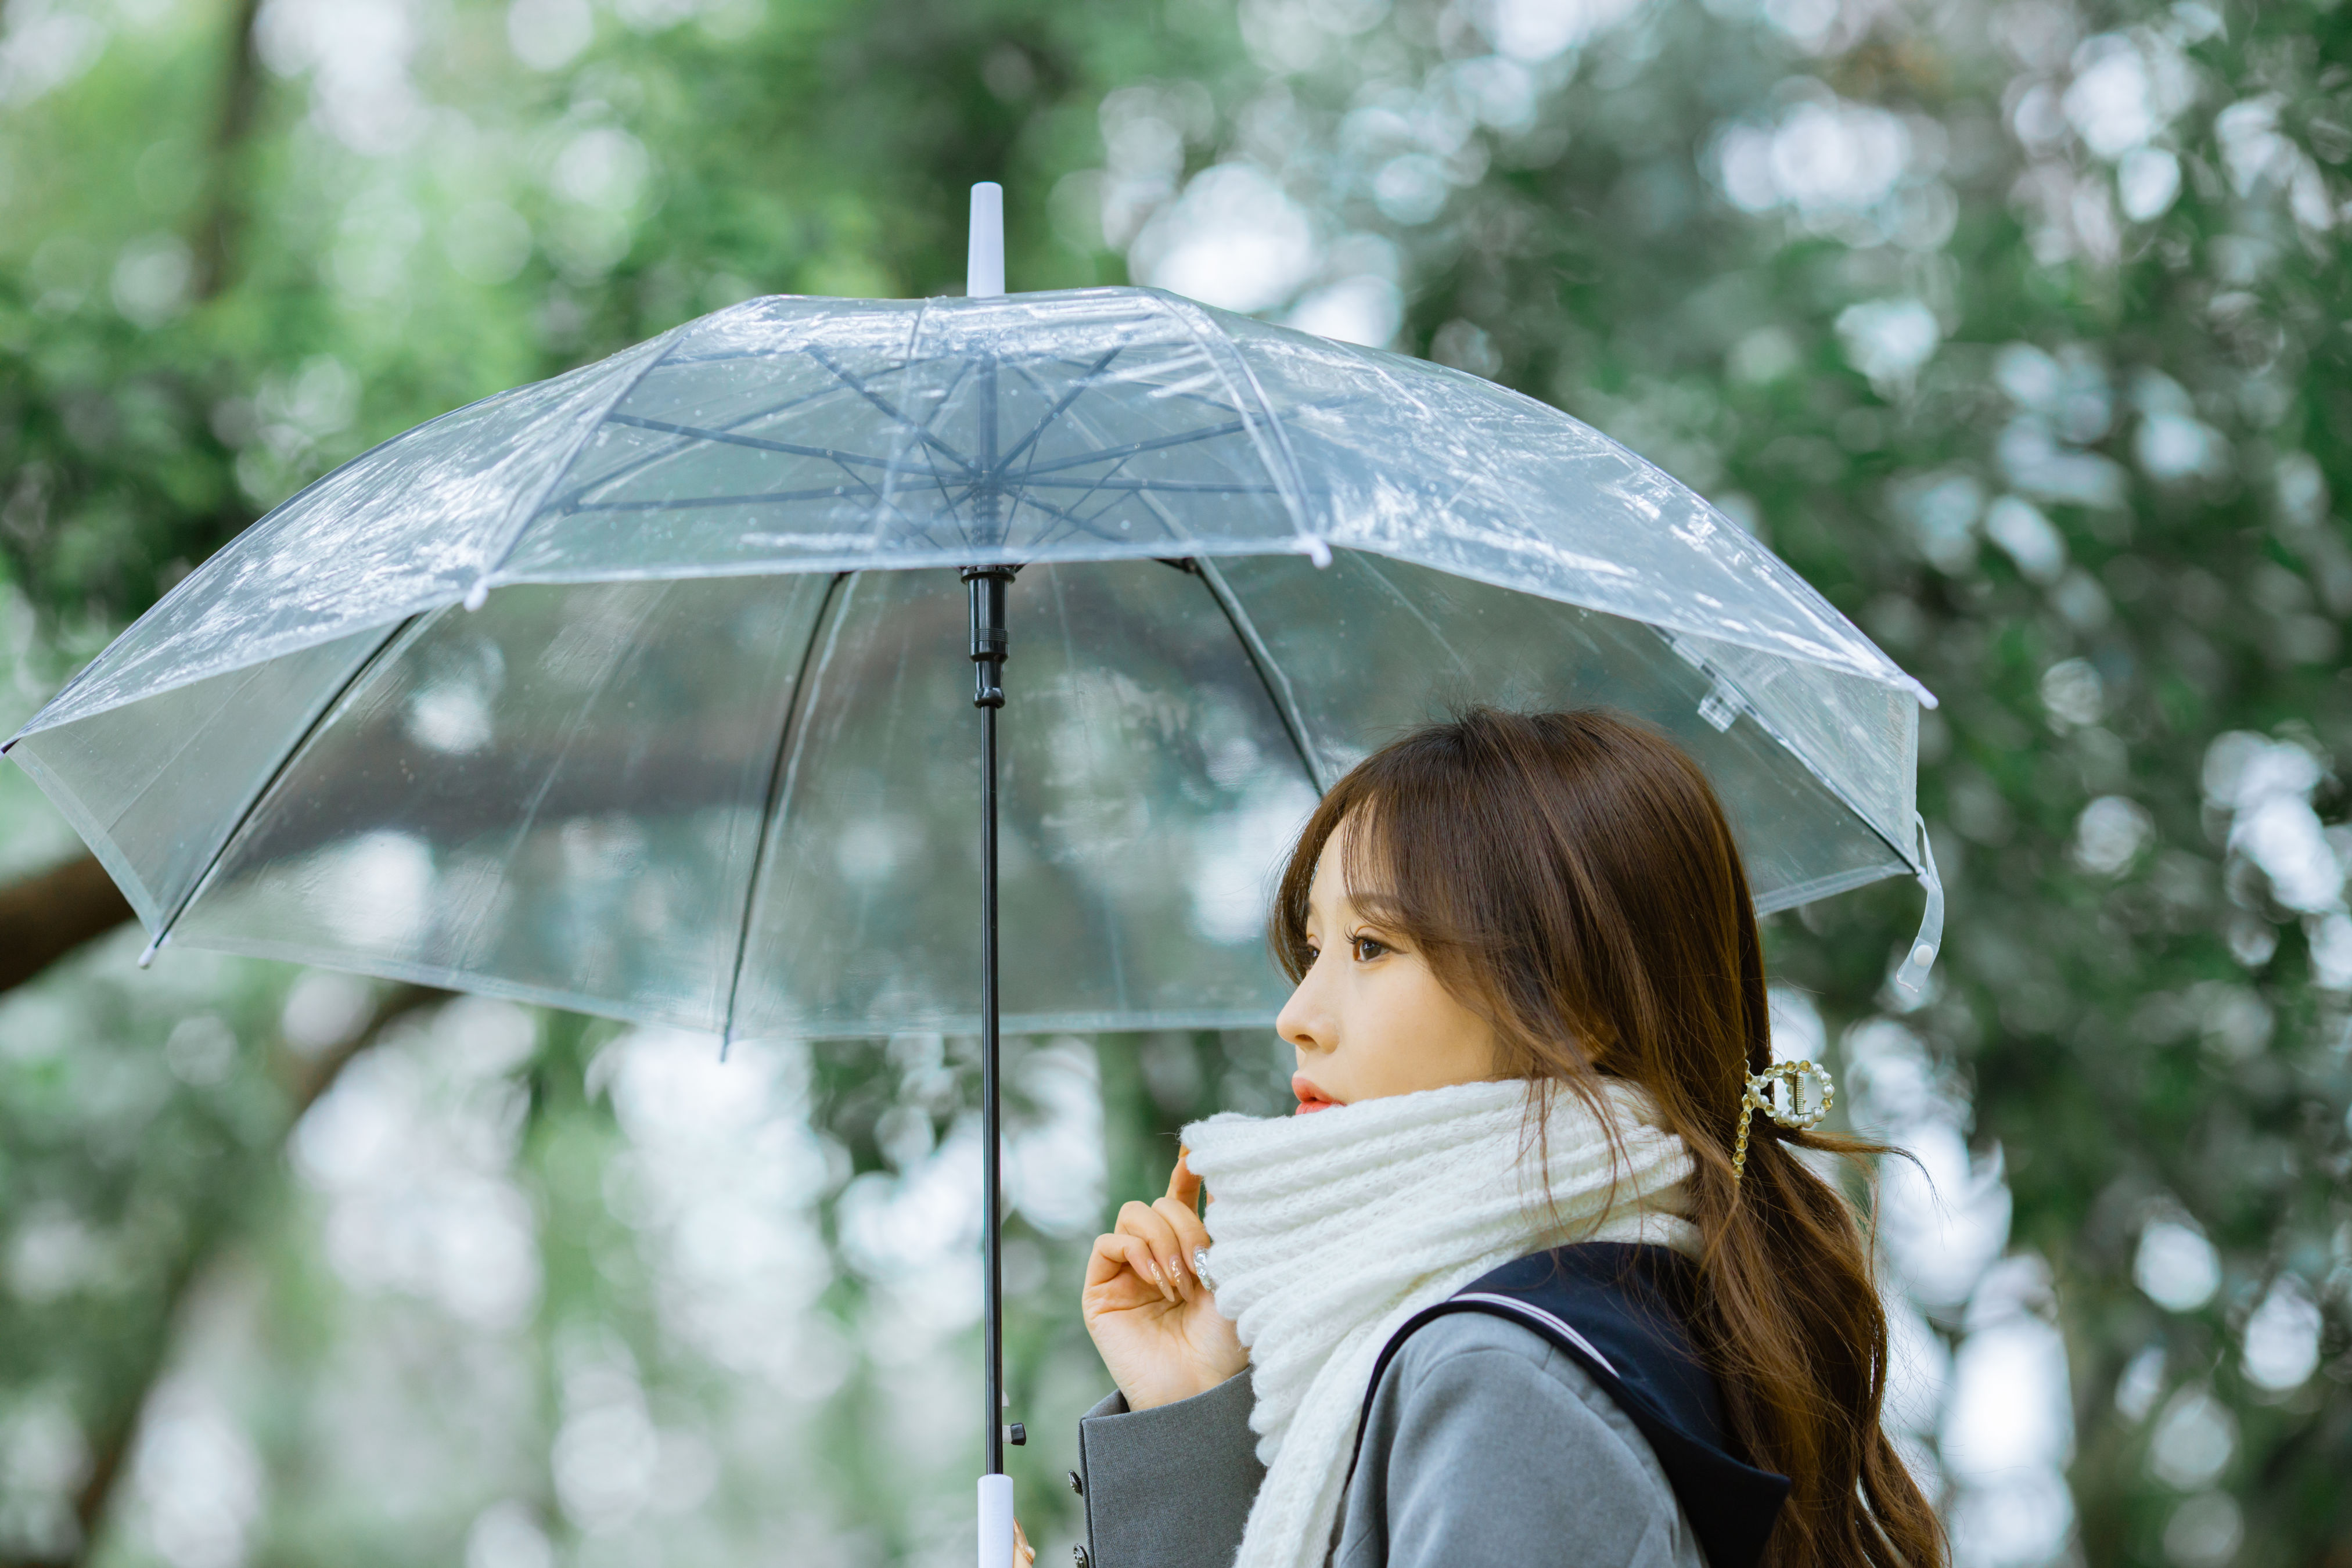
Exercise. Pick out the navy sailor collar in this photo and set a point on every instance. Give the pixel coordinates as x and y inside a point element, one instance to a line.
<point>1611,1307</point>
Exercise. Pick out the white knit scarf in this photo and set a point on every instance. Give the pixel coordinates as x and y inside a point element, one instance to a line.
<point>1330,1230</point>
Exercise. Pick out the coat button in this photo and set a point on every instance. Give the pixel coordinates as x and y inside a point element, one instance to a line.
<point>1077,1485</point>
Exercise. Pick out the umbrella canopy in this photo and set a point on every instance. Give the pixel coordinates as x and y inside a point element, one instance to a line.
<point>639,691</point>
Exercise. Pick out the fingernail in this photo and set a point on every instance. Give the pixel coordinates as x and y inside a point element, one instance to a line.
<point>1152,1269</point>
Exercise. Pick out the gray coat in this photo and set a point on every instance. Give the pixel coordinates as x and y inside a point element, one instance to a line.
<point>1485,1447</point>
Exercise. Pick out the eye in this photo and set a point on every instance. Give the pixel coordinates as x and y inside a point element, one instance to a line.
<point>1367,948</point>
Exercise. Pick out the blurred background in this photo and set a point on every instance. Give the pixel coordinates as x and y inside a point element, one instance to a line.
<point>2018,326</point>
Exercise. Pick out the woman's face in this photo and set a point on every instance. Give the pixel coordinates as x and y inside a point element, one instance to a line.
<point>1370,1019</point>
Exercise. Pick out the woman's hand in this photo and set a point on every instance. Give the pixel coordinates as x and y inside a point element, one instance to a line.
<point>1155,1324</point>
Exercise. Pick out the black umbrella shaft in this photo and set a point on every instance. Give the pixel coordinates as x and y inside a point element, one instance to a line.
<point>988,654</point>
<point>991,1173</point>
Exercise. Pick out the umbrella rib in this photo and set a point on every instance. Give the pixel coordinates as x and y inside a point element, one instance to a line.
<point>757,443</point>
<point>1178,391</point>
<point>1278,436</point>
<point>1077,390</point>
<point>1083,524</point>
<point>750,499</point>
<point>1150,504</point>
<point>532,513</point>
<point>885,496</point>
<point>1135,449</point>
<point>237,828</point>
<point>948,501</point>
<point>686,503</point>
<point>739,357</point>
<point>772,800</point>
<point>845,461</point>
<point>884,500</point>
<point>1171,487</point>
<point>1837,791</point>
<point>1091,486</point>
<point>1371,569</point>
<point>922,430</point>
<point>1269,673</point>
<point>1086,487</point>
<point>939,481</point>
<point>571,502</point>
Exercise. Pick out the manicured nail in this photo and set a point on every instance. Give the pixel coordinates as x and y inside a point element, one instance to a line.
<point>1151,1268</point>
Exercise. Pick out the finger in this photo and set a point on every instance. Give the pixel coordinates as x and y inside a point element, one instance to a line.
<point>1125,1293</point>
<point>1145,1264</point>
<point>1191,1234</point>
<point>1106,1260</point>
<point>1115,1285</point>
<point>1183,1184</point>
<point>1149,1225</point>
<point>1024,1554</point>
<point>1182,1208</point>
<point>1115,1256</point>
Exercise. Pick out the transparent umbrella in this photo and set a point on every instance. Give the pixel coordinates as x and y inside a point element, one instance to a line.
<point>637,691</point>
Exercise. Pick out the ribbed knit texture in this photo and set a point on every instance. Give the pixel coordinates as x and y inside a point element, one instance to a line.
<point>1330,1230</point>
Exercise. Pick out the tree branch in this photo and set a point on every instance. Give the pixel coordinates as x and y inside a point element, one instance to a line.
<point>48,914</point>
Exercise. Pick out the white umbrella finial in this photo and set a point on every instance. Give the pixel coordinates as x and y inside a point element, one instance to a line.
<point>983,275</point>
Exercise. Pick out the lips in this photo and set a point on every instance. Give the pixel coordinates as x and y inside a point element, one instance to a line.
<point>1309,1097</point>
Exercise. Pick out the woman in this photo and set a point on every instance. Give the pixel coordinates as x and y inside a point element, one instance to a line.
<point>1531,1034</point>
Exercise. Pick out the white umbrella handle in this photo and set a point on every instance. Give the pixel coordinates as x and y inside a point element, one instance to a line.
<point>996,1522</point>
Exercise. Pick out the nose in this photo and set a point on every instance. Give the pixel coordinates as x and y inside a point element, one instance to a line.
<point>1304,1022</point>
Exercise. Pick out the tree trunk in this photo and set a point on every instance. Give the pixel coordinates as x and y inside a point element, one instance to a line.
<point>221,221</point>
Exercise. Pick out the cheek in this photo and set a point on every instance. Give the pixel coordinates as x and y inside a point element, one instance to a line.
<point>1442,1041</point>
<point>1422,1000</point>
<point>1391,1027</point>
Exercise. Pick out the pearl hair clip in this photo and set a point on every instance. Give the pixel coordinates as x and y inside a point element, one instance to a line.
<point>1785,1105</point>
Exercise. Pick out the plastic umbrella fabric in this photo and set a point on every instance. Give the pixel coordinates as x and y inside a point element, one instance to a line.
<point>639,691</point>
<point>703,754</point>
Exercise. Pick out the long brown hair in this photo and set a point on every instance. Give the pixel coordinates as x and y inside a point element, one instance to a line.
<point>1572,879</point>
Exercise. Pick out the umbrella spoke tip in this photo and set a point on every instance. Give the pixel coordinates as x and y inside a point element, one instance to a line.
<point>1316,550</point>
<point>478,594</point>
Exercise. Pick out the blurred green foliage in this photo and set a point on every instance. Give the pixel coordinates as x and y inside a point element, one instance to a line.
<point>2019,327</point>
